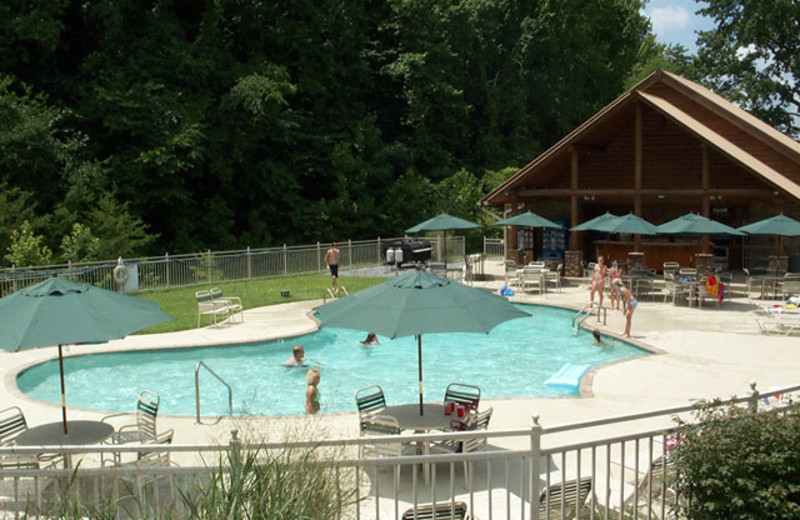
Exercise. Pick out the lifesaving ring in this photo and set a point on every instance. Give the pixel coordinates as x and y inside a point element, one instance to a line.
<point>121,274</point>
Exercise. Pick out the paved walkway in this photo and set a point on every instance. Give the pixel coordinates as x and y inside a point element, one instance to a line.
<point>702,354</point>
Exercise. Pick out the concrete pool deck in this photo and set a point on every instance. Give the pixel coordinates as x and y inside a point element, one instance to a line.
<point>701,354</point>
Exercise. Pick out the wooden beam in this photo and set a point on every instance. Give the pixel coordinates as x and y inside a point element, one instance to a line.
<point>689,192</point>
<point>637,173</point>
<point>574,208</point>
<point>706,203</point>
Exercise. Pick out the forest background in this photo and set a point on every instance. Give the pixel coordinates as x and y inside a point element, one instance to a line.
<point>133,127</point>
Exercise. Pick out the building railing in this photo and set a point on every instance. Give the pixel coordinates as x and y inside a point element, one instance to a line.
<point>212,267</point>
<point>494,247</point>
<point>619,463</point>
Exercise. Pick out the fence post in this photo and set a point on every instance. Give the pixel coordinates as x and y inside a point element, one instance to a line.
<point>166,267</point>
<point>285,260</point>
<point>249,271</point>
<point>379,251</point>
<point>536,450</point>
<point>208,265</point>
<point>350,252</point>
<point>235,453</point>
<point>319,259</point>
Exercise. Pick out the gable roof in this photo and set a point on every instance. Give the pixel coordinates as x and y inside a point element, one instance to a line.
<point>680,100</point>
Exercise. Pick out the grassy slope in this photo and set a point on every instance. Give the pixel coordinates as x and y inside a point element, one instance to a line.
<point>181,302</point>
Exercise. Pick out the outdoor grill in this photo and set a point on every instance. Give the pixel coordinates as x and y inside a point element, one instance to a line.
<point>414,250</point>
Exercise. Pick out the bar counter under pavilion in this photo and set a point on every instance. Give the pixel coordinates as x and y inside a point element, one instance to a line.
<point>665,148</point>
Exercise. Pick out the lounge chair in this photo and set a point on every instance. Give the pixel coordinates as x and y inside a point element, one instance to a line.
<point>439,511</point>
<point>234,303</point>
<point>463,394</point>
<point>784,324</point>
<point>651,490</point>
<point>571,497</point>
<point>370,400</point>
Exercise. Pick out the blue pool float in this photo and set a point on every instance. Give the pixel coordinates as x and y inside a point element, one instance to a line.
<point>568,375</point>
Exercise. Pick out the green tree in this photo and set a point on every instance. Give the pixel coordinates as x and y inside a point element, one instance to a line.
<point>732,464</point>
<point>750,57</point>
<point>654,56</point>
<point>80,245</point>
<point>28,249</point>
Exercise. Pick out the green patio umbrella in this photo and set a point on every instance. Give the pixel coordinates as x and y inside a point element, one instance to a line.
<point>629,223</point>
<point>694,224</point>
<point>778,225</point>
<point>443,222</point>
<point>591,225</point>
<point>58,311</point>
<point>418,303</point>
<point>528,219</point>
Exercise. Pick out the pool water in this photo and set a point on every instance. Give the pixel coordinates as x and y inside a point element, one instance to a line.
<point>513,360</point>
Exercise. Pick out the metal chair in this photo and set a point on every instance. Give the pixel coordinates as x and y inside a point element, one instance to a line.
<point>370,400</point>
<point>463,394</point>
<point>466,444</point>
<point>571,495</point>
<point>13,423</point>
<point>554,278</point>
<point>144,430</point>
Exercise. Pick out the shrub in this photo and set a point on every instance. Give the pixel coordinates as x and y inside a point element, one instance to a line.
<point>733,464</point>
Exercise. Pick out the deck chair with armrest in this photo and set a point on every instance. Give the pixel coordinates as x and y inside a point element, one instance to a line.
<point>217,310</point>
<point>467,444</point>
<point>571,497</point>
<point>234,303</point>
<point>144,429</point>
<point>439,511</point>
<point>370,400</point>
<point>383,425</point>
<point>13,423</point>
<point>463,394</point>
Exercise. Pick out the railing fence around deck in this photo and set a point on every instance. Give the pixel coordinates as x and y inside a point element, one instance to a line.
<point>617,470</point>
<point>211,267</point>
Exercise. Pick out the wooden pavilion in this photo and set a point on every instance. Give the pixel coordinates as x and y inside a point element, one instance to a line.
<point>665,148</point>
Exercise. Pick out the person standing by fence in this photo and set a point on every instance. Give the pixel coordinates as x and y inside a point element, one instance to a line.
<point>332,263</point>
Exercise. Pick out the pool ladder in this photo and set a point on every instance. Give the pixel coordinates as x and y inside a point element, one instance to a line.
<point>329,293</point>
<point>197,368</point>
<point>587,311</point>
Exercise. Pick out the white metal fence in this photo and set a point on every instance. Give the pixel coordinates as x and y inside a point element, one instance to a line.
<point>170,271</point>
<point>617,470</point>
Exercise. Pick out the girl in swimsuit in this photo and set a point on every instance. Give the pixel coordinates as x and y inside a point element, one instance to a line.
<point>598,280</point>
<point>312,392</point>
<point>630,305</point>
<point>613,295</point>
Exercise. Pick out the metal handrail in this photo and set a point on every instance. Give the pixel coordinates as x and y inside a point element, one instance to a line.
<point>197,388</point>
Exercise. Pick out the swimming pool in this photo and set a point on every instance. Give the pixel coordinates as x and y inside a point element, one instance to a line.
<point>513,360</point>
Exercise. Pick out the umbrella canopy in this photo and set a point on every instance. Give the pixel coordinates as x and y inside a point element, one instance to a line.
<point>591,225</point>
<point>528,219</point>
<point>777,225</point>
<point>693,224</point>
<point>58,311</point>
<point>629,223</point>
<point>419,303</point>
<point>443,222</point>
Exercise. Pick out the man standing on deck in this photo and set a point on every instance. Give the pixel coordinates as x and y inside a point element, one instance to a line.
<point>332,263</point>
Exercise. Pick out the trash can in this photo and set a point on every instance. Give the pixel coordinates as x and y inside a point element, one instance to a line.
<point>794,263</point>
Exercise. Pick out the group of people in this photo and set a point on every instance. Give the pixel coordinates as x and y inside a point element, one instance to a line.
<point>621,297</point>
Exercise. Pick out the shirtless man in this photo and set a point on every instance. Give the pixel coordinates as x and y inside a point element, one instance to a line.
<point>332,263</point>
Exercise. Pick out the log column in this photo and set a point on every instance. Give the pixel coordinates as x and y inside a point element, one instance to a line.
<point>637,197</point>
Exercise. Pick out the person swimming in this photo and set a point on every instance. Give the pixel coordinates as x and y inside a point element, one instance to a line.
<point>598,338</point>
<point>298,358</point>
<point>372,339</point>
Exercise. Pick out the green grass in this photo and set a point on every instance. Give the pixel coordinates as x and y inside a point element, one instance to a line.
<point>181,303</point>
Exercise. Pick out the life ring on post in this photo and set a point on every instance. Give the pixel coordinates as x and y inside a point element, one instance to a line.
<point>121,274</point>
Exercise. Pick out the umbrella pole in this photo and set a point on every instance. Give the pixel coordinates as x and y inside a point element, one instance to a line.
<point>419,358</point>
<point>63,392</point>
<point>444,235</point>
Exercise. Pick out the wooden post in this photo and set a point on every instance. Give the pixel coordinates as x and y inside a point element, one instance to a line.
<point>574,202</point>
<point>637,186</point>
<point>706,202</point>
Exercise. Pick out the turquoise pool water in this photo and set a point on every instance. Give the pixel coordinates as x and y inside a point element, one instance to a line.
<point>513,360</point>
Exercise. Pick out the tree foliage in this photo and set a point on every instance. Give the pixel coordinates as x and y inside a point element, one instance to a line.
<point>187,125</point>
<point>732,464</point>
<point>750,57</point>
